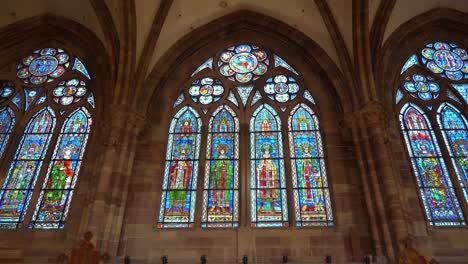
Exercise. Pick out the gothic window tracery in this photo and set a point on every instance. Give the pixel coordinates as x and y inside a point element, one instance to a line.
<point>48,101</point>
<point>431,104</point>
<point>266,97</point>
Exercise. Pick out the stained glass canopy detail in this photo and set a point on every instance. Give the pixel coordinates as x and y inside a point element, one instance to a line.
<point>206,90</point>
<point>243,63</point>
<point>281,88</point>
<point>424,88</point>
<point>68,92</point>
<point>43,66</point>
<point>446,59</point>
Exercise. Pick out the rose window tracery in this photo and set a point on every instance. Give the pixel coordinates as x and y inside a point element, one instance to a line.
<point>446,59</point>
<point>425,88</point>
<point>43,65</point>
<point>243,63</point>
<point>281,88</point>
<point>206,90</point>
<point>68,92</point>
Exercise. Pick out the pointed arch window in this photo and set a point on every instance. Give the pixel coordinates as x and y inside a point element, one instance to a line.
<point>22,175</point>
<point>221,187</point>
<point>312,204</point>
<point>41,98</point>
<point>268,185</point>
<point>7,122</point>
<point>224,95</point>
<point>181,170</point>
<point>455,131</point>
<point>432,90</point>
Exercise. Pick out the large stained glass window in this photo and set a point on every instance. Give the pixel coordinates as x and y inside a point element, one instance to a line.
<point>268,186</point>
<point>22,175</point>
<point>312,204</point>
<point>56,193</point>
<point>455,131</point>
<point>221,194</point>
<point>7,121</point>
<point>440,202</point>
<point>181,170</point>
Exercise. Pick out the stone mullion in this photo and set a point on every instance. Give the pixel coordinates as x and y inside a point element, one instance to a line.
<point>377,244</point>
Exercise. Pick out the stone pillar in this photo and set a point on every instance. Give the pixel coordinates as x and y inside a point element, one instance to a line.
<point>107,210</point>
<point>371,139</point>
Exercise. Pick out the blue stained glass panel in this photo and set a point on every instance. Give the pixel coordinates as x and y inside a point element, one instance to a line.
<point>181,171</point>
<point>268,188</point>
<point>59,184</point>
<point>312,205</point>
<point>221,190</point>
<point>454,128</point>
<point>440,202</point>
<point>79,66</point>
<point>7,122</point>
<point>22,175</point>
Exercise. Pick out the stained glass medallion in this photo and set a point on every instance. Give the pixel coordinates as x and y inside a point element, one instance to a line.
<point>446,59</point>
<point>312,204</point>
<point>221,194</point>
<point>440,201</point>
<point>243,63</point>
<point>268,186</point>
<point>24,169</point>
<point>7,122</point>
<point>6,90</point>
<point>422,87</point>
<point>68,92</point>
<point>181,170</point>
<point>281,88</point>
<point>206,91</point>
<point>43,66</point>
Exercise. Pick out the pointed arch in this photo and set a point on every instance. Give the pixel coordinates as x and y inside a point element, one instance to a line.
<point>24,169</point>
<point>437,193</point>
<point>268,186</point>
<point>221,188</point>
<point>454,128</point>
<point>181,170</point>
<point>7,122</point>
<point>312,204</point>
<point>59,184</point>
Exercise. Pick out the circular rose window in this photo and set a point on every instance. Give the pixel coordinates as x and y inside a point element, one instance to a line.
<point>446,59</point>
<point>424,88</point>
<point>243,63</point>
<point>43,66</point>
<point>281,88</point>
<point>206,90</point>
<point>68,92</point>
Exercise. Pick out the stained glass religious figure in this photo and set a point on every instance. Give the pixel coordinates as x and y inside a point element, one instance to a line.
<point>24,169</point>
<point>440,201</point>
<point>455,131</point>
<point>310,186</point>
<point>268,189</point>
<point>56,193</point>
<point>180,177</point>
<point>220,202</point>
<point>7,122</point>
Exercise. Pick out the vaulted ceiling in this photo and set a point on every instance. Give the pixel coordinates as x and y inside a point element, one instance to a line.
<point>179,17</point>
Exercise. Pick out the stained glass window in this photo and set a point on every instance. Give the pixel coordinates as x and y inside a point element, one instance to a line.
<point>425,88</point>
<point>43,66</point>
<point>221,186</point>
<point>312,204</point>
<point>440,202</point>
<point>446,59</point>
<point>22,175</point>
<point>455,131</point>
<point>68,92</point>
<point>268,186</point>
<point>206,90</point>
<point>56,193</point>
<point>7,121</point>
<point>281,88</point>
<point>243,63</point>
<point>181,170</point>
